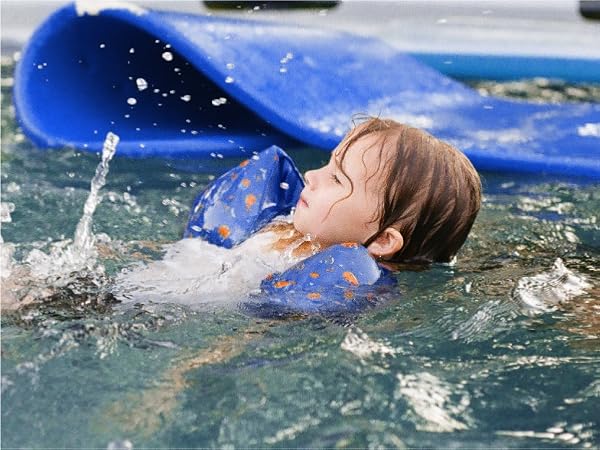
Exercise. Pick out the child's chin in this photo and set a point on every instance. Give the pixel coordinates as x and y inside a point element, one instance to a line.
<point>299,225</point>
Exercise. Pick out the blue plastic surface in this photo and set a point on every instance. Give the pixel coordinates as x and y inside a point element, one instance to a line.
<point>503,67</point>
<point>230,86</point>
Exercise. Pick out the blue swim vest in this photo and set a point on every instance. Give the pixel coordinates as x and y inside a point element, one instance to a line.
<point>339,279</point>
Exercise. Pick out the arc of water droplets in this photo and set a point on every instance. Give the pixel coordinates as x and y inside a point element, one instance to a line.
<point>84,239</point>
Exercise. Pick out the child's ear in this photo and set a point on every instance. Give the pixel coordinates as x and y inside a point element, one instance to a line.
<point>387,243</point>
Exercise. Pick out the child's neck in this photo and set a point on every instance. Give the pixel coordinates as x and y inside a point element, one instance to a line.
<point>291,240</point>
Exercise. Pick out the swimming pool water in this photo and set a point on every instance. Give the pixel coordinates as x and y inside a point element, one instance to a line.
<point>500,350</point>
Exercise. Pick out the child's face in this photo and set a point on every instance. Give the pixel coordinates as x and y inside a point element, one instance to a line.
<point>329,209</point>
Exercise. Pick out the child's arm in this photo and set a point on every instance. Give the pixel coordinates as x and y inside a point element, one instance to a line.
<point>246,198</point>
<point>343,278</point>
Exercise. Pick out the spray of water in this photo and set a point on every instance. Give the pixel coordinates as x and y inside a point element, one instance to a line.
<point>84,239</point>
<point>67,262</point>
<point>67,257</point>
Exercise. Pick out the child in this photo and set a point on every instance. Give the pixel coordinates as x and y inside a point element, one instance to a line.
<point>390,193</point>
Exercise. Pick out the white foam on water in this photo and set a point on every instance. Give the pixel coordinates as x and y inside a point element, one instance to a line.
<point>545,291</point>
<point>6,249</point>
<point>435,405</point>
<point>194,272</point>
<point>361,345</point>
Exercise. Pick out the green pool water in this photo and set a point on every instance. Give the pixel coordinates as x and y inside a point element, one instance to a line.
<point>500,350</point>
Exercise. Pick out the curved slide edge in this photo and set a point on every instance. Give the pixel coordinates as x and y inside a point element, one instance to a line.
<point>273,84</point>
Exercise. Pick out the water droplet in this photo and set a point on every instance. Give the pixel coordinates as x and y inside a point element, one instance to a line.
<point>188,121</point>
<point>126,116</point>
<point>102,45</point>
<point>283,185</point>
<point>219,101</point>
<point>142,146</point>
<point>141,84</point>
<point>172,91</point>
<point>221,126</point>
<point>167,56</point>
<point>229,80</point>
<point>156,91</point>
<point>131,101</point>
<point>132,50</point>
<point>230,65</point>
<point>39,66</point>
<point>282,70</point>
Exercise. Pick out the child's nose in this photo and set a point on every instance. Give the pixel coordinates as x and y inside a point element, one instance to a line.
<point>309,177</point>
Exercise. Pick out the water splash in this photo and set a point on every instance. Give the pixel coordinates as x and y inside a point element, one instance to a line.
<point>44,273</point>
<point>6,249</point>
<point>84,239</point>
<point>194,272</point>
<point>546,291</point>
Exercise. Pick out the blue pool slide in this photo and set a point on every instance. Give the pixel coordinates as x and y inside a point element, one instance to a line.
<point>189,86</point>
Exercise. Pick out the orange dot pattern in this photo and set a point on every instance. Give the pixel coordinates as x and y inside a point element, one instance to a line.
<point>350,278</point>
<point>224,231</point>
<point>249,201</point>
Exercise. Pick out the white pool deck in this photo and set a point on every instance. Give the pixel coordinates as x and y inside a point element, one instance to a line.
<point>551,28</point>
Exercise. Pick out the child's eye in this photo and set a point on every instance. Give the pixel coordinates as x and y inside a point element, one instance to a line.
<point>335,178</point>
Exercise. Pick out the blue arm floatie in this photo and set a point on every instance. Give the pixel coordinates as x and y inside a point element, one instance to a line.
<point>343,278</point>
<point>246,198</point>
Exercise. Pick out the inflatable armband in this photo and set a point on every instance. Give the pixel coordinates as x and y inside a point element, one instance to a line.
<point>246,198</point>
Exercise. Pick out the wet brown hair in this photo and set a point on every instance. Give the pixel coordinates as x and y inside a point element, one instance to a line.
<point>431,191</point>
